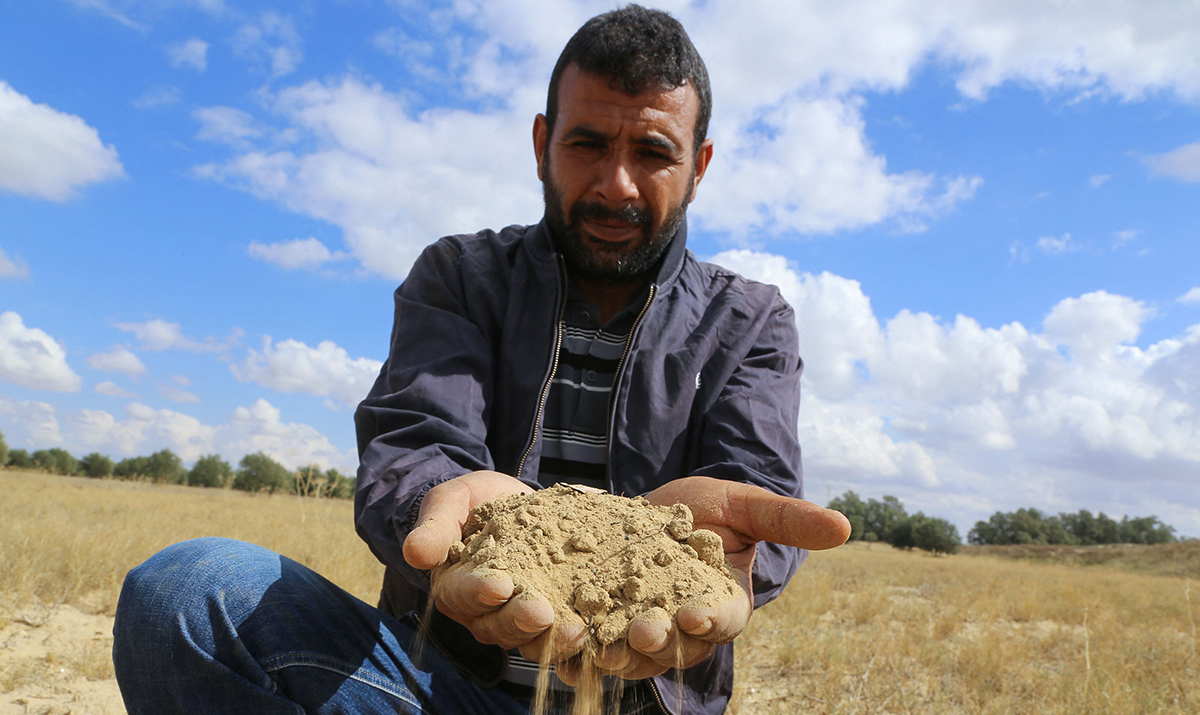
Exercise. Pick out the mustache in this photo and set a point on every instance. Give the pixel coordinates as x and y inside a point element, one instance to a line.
<point>595,210</point>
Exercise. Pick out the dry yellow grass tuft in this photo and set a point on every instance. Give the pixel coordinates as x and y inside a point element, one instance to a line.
<point>862,629</point>
<point>72,540</point>
<point>868,629</point>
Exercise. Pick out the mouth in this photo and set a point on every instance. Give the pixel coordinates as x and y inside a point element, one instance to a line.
<point>612,230</point>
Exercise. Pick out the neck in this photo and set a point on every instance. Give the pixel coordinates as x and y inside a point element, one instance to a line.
<point>612,296</point>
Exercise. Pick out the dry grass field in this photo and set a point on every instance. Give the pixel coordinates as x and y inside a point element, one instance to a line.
<point>862,629</point>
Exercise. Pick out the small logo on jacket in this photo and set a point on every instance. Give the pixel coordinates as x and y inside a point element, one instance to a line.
<point>697,381</point>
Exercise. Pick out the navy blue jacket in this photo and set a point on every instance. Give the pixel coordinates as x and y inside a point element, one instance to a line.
<point>710,386</point>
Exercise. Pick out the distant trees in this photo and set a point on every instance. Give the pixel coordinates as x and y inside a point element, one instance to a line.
<point>256,472</point>
<point>131,468</point>
<point>20,459</point>
<point>55,461</point>
<point>1082,528</point>
<point>310,480</point>
<point>96,465</point>
<point>165,467</point>
<point>210,471</point>
<point>886,520</point>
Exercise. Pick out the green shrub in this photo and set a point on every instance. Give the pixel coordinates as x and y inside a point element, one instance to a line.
<point>96,465</point>
<point>210,471</point>
<point>257,473</point>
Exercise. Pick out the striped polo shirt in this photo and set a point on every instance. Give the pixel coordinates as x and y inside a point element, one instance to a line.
<point>575,424</point>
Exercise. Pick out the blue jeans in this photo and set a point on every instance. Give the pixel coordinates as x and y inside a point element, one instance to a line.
<point>221,626</point>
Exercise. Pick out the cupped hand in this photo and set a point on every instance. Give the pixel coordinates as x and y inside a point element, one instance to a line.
<point>742,515</point>
<point>483,601</point>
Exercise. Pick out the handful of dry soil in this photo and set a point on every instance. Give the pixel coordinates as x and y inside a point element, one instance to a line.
<point>600,559</point>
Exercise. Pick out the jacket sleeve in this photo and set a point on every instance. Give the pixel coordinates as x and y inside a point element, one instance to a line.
<point>749,434</point>
<point>424,421</point>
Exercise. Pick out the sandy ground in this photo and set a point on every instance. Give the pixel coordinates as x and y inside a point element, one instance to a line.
<point>56,662</point>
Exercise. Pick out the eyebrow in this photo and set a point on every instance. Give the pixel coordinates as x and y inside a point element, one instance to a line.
<point>656,141</point>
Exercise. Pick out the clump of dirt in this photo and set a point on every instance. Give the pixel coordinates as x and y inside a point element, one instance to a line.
<point>600,559</point>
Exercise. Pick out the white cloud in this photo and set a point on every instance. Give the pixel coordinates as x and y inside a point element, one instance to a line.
<point>119,359</point>
<point>34,422</point>
<point>793,150</point>
<point>1124,238</point>
<point>300,253</point>
<point>1057,246</point>
<point>1192,296</point>
<point>158,96</point>
<point>142,429</point>
<point>258,428</point>
<point>191,53</point>
<point>12,266</point>
<point>805,166</point>
<point>292,366</point>
<point>1182,163</point>
<point>175,394</point>
<point>226,125</point>
<point>1072,413</point>
<point>1098,180</point>
<point>31,358</point>
<point>392,180</point>
<point>158,334</point>
<point>181,380</point>
<point>272,42</point>
<point>46,153</point>
<point>112,389</point>
<point>1095,324</point>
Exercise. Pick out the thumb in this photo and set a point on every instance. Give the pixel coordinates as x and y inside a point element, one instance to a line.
<point>439,524</point>
<point>766,516</point>
<point>762,515</point>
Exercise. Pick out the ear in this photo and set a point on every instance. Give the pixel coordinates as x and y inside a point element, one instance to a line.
<point>539,143</point>
<point>702,158</point>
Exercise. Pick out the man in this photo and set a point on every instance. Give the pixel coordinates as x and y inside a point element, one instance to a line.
<point>589,347</point>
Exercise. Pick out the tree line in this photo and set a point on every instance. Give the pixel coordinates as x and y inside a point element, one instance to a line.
<point>1082,528</point>
<point>256,472</point>
<point>888,521</point>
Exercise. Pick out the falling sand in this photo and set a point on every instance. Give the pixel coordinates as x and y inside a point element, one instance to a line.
<point>601,560</point>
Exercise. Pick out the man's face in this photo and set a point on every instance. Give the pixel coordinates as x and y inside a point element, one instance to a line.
<point>617,172</point>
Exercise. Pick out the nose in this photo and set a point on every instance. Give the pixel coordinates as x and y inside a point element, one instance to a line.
<point>615,183</point>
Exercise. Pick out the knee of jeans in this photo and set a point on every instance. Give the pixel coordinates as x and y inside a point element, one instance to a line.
<point>185,576</point>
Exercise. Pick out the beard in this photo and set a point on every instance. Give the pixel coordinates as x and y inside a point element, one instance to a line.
<point>598,260</point>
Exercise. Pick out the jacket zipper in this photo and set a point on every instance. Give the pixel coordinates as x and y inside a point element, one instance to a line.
<point>558,336</point>
<point>657,696</point>
<point>617,381</point>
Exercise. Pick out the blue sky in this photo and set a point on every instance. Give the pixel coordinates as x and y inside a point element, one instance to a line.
<point>984,214</point>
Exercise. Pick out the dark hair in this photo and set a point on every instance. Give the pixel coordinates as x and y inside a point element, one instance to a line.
<point>641,50</point>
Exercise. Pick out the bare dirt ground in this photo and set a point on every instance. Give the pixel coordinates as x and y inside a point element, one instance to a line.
<point>54,660</point>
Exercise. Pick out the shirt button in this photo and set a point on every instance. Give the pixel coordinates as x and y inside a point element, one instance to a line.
<point>586,316</point>
<point>590,376</point>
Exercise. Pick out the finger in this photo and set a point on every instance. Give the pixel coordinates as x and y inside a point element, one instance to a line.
<point>568,671</point>
<point>641,666</point>
<point>463,594</point>
<point>621,660</point>
<point>515,623</point>
<point>715,625</point>
<point>614,658</point>
<point>439,524</point>
<point>759,514</point>
<point>563,641</point>
<point>660,641</point>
